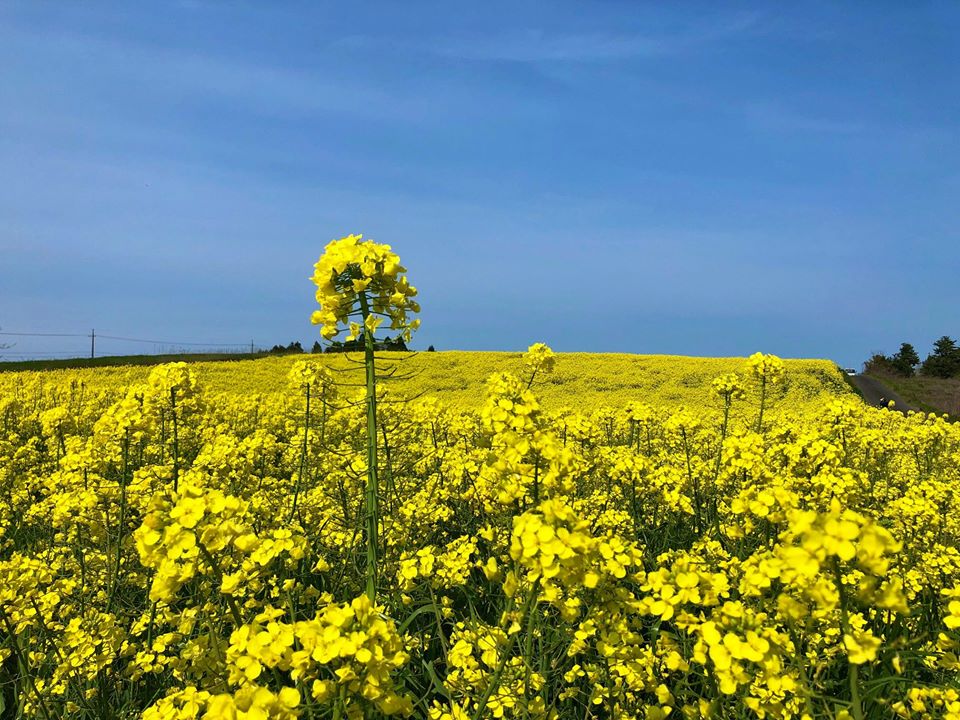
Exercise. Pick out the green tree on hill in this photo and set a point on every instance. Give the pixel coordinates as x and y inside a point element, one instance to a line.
<point>294,347</point>
<point>906,360</point>
<point>944,361</point>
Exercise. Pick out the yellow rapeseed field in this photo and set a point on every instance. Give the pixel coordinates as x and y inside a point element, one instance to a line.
<point>535,536</point>
<point>457,378</point>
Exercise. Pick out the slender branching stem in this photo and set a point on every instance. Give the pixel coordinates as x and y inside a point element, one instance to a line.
<point>372,495</point>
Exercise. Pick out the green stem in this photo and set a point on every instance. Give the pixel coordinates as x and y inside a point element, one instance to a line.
<point>153,615</point>
<point>303,457</point>
<point>115,580</point>
<point>716,470</point>
<point>218,575</point>
<point>388,466</point>
<point>763,398</point>
<point>723,436</point>
<point>498,673</point>
<point>340,702</point>
<point>528,660</point>
<point>22,661</point>
<point>436,615</point>
<point>176,439</point>
<point>373,513</point>
<point>853,674</point>
<point>694,481</point>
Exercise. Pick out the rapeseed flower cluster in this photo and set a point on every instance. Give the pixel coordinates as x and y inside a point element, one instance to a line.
<point>351,267</point>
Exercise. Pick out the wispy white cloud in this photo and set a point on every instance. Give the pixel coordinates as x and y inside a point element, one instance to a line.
<point>536,45</point>
<point>799,117</point>
<point>777,117</point>
<point>179,74</point>
<point>540,46</point>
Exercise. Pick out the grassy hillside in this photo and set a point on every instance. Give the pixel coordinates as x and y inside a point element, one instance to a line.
<point>457,378</point>
<point>940,395</point>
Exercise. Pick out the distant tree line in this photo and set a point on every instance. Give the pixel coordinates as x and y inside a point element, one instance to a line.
<point>294,347</point>
<point>942,362</point>
<point>356,345</point>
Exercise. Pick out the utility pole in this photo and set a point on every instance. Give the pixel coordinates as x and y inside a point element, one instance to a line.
<point>93,343</point>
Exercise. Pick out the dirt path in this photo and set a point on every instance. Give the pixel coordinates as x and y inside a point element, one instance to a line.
<point>873,391</point>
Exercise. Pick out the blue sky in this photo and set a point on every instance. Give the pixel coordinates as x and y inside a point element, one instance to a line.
<point>703,179</point>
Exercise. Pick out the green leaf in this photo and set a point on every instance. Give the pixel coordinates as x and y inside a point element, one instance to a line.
<point>412,616</point>
<point>441,688</point>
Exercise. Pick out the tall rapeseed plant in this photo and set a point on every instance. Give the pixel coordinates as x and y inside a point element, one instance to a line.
<point>360,284</point>
<point>767,370</point>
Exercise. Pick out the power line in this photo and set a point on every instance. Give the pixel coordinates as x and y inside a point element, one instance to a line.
<point>81,356</point>
<point>4,353</point>
<point>124,339</point>
<point>171,342</point>
<point>26,334</point>
<point>164,346</point>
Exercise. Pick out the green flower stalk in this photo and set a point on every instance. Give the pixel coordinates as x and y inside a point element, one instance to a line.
<point>314,381</point>
<point>768,370</point>
<point>373,489</point>
<point>359,285</point>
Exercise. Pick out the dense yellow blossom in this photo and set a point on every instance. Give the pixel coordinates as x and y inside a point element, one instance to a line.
<point>351,267</point>
<point>562,536</point>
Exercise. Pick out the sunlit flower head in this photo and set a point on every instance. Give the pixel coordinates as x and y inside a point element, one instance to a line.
<point>352,266</point>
